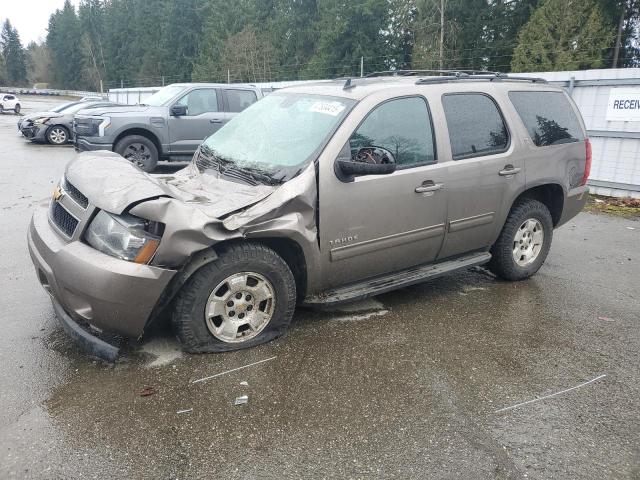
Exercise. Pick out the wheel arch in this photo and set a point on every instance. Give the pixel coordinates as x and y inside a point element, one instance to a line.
<point>51,127</point>
<point>143,132</point>
<point>290,251</point>
<point>550,194</point>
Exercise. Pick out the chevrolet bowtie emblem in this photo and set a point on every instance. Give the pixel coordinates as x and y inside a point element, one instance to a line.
<point>57,194</point>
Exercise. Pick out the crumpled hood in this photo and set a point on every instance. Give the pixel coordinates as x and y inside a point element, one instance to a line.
<point>35,115</point>
<point>113,184</point>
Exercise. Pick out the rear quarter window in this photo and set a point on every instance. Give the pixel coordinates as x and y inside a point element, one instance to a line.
<point>548,117</point>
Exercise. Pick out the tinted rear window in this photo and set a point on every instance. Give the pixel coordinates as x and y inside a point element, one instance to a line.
<point>240,99</point>
<point>548,116</point>
<point>475,125</point>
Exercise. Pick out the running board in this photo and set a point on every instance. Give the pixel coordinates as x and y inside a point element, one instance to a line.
<point>386,283</point>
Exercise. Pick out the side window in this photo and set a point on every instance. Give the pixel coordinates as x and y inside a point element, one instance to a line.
<point>548,116</point>
<point>202,100</point>
<point>240,99</point>
<point>403,127</point>
<point>476,127</point>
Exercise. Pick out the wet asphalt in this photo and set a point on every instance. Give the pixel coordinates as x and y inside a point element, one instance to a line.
<point>416,383</point>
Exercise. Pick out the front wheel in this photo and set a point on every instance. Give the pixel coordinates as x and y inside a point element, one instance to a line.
<point>16,109</point>
<point>524,242</point>
<point>57,135</point>
<point>140,151</point>
<point>244,298</point>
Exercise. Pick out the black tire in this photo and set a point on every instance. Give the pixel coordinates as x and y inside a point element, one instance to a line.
<point>140,151</point>
<point>16,109</point>
<point>188,319</point>
<point>57,135</point>
<point>503,263</point>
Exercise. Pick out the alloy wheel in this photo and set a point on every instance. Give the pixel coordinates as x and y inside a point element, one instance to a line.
<point>240,307</point>
<point>528,242</point>
<point>58,136</point>
<point>138,154</point>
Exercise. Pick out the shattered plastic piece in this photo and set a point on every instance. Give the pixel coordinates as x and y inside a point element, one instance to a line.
<point>242,400</point>
<point>244,383</point>
<point>185,411</point>
<point>606,319</point>
<point>630,228</point>
<point>145,392</point>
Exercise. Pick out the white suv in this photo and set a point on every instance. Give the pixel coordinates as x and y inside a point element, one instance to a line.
<point>9,102</point>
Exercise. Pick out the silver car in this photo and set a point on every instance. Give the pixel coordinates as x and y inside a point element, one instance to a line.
<point>318,194</point>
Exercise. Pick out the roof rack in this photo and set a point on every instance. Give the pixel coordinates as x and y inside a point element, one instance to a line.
<point>405,73</point>
<point>489,76</point>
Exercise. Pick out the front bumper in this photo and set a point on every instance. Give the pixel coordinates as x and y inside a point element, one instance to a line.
<point>91,288</point>
<point>33,132</point>
<point>81,144</point>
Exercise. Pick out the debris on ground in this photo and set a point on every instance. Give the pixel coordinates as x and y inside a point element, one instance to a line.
<point>622,207</point>
<point>244,383</point>
<point>606,319</point>
<point>241,400</point>
<point>145,392</point>
<point>185,411</point>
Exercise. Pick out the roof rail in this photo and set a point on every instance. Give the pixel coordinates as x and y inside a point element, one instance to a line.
<point>405,73</point>
<point>488,77</point>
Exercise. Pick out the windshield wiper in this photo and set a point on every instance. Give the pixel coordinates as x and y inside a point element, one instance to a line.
<point>230,168</point>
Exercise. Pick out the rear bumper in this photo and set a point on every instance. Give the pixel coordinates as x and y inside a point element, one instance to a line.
<point>91,288</point>
<point>574,203</point>
<point>81,144</point>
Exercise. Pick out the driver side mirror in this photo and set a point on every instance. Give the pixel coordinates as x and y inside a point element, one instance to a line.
<point>368,161</point>
<point>178,110</point>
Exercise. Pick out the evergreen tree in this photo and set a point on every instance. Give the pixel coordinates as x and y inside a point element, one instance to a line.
<point>563,35</point>
<point>345,32</point>
<point>13,55</point>
<point>64,38</point>
<point>91,16</point>
<point>182,37</point>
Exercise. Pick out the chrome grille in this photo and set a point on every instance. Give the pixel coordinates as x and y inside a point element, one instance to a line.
<point>62,219</point>
<point>74,193</point>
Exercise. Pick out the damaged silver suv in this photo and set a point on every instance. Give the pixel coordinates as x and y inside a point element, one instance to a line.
<point>316,195</point>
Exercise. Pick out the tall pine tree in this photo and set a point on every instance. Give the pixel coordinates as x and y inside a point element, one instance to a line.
<point>13,55</point>
<point>563,35</point>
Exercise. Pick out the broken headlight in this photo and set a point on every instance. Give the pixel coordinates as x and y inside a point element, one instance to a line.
<point>124,236</point>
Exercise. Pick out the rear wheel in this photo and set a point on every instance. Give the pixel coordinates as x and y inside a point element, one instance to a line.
<point>524,242</point>
<point>244,298</point>
<point>57,135</point>
<point>140,151</point>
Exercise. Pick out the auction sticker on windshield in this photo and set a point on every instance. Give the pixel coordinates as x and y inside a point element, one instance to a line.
<point>330,108</point>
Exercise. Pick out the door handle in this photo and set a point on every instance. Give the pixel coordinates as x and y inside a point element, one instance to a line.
<point>215,120</point>
<point>509,170</point>
<point>429,187</point>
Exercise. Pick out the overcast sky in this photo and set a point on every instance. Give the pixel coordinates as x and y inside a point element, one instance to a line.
<point>30,17</point>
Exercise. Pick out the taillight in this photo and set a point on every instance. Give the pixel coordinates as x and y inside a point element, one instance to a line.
<point>587,163</point>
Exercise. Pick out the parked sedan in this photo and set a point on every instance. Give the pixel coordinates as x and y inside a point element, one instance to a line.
<point>55,127</point>
<point>57,109</point>
<point>9,102</point>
